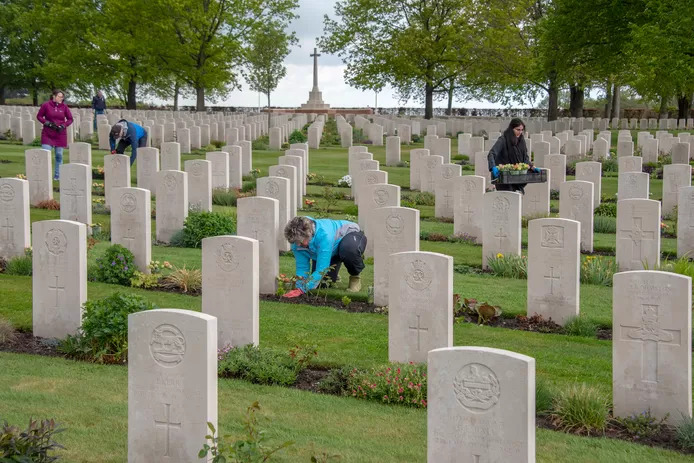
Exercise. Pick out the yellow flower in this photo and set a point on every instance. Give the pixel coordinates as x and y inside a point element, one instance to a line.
<point>499,256</point>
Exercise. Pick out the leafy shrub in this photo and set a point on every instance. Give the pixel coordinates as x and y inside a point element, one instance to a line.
<point>249,449</point>
<point>581,409</point>
<point>642,426</point>
<point>602,224</point>
<point>554,194</point>
<point>259,365</point>
<point>297,137</point>
<point>225,197</point>
<point>116,266</point>
<point>684,433</point>
<point>183,279</point>
<point>36,443</point>
<point>144,280</point>
<point>352,209</point>
<point>681,266</point>
<point>335,382</point>
<point>397,383</point>
<point>248,186</point>
<point>609,165</point>
<point>606,209</point>
<point>20,265</point>
<point>544,397</point>
<point>419,198</point>
<point>200,225</point>
<point>50,204</point>
<point>581,326</point>
<point>103,337</point>
<point>177,240</point>
<point>217,143</point>
<point>7,331</point>
<point>510,266</point>
<point>463,238</point>
<point>261,143</point>
<point>598,270</point>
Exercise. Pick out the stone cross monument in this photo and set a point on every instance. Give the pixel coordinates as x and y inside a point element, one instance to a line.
<point>315,99</point>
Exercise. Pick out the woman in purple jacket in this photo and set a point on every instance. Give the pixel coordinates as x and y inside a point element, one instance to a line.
<point>55,117</point>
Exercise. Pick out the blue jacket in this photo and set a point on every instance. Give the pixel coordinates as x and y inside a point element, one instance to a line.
<point>321,249</point>
<point>132,136</point>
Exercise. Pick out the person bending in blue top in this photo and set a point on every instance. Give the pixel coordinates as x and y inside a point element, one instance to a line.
<point>128,133</point>
<point>327,244</point>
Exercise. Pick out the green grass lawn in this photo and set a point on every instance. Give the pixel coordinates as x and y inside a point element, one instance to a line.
<point>91,400</point>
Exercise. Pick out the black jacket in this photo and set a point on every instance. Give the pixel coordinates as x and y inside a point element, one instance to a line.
<point>500,153</point>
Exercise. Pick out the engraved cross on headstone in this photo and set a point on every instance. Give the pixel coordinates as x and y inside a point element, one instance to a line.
<point>74,193</point>
<point>637,236</point>
<point>255,235</point>
<point>500,235</point>
<point>651,336</point>
<point>168,424</point>
<point>447,200</point>
<point>419,330</point>
<point>57,290</point>
<point>551,277</point>
<point>9,229</point>
<point>535,201</point>
<point>129,238</point>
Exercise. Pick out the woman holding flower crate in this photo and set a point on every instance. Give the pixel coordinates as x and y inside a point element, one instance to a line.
<point>510,149</point>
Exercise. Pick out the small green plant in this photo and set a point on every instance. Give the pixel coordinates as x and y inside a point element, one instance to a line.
<point>183,279</point>
<point>598,270</point>
<point>581,326</point>
<point>144,280</point>
<point>644,425</point>
<point>297,137</point>
<point>260,365</point>
<point>225,197</point>
<point>346,301</point>
<point>606,210</point>
<point>331,198</point>
<point>200,225</point>
<point>251,449</point>
<point>261,143</point>
<point>35,444</point>
<point>115,266</point>
<point>419,198</point>
<point>684,433</point>
<point>603,224</point>
<point>335,382</point>
<point>509,266</point>
<point>544,397</point>
<point>581,409</point>
<point>352,210</point>
<point>397,383</point>
<point>103,336</point>
<point>681,266</point>
<point>248,186</point>
<point>7,331</point>
<point>20,265</point>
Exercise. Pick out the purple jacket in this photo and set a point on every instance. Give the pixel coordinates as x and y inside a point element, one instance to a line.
<point>58,114</point>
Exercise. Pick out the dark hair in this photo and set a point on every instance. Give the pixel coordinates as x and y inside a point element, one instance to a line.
<point>515,122</point>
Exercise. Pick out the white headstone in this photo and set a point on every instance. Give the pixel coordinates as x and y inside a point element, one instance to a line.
<point>14,217</point>
<point>590,171</point>
<point>258,218</point>
<point>576,203</point>
<point>170,156</point>
<point>675,176</point>
<point>502,225</point>
<point>632,185</point>
<point>38,172</point>
<point>638,234</point>
<point>171,203</point>
<point>131,223</point>
<point>277,188</point>
<point>147,168</point>
<point>199,185</point>
<point>81,153</point>
<point>76,193</point>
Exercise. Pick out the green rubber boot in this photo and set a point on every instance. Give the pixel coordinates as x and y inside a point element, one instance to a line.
<point>354,284</point>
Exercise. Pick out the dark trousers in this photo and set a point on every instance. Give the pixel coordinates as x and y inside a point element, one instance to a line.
<point>520,187</point>
<point>124,143</point>
<point>350,251</point>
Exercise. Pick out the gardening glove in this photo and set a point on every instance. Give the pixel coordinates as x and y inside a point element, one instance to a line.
<point>293,293</point>
<point>536,170</point>
<point>113,151</point>
<point>495,172</point>
<point>60,128</point>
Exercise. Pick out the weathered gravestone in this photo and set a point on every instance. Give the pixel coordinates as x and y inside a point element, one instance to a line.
<point>554,261</point>
<point>536,198</point>
<point>632,185</point>
<point>430,173</point>
<point>38,172</point>
<point>171,203</point>
<point>230,288</point>
<point>468,213</point>
<point>277,188</point>
<point>59,277</point>
<point>638,234</point>
<point>480,406</point>
<point>172,384</point>
<point>591,171</point>
<point>630,164</point>
<point>502,225</point>
<point>199,185</point>
<point>420,310</point>
<point>576,203</point>
<point>374,196</point>
<point>651,345</point>
<point>392,230</point>
<point>170,156</point>
<point>76,193</point>
<point>258,218</point>
<point>288,172</point>
<point>116,174</point>
<point>297,162</point>
<point>131,223</point>
<point>685,222</point>
<point>675,176</point>
<point>235,166</point>
<point>417,157</point>
<point>392,151</point>
<point>81,153</point>
<point>220,168</point>
<point>556,163</point>
<point>444,203</point>
<point>14,217</point>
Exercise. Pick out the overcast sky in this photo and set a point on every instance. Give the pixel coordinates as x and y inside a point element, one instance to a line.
<point>294,88</point>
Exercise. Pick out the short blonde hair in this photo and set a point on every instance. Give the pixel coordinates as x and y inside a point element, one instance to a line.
<point>299,229</point>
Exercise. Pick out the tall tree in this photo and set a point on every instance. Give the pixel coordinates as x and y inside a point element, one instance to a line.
<point>265,56</point>
<point>415,46</point>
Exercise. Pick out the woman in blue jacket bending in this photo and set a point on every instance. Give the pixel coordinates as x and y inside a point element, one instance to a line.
<point>327,244</point>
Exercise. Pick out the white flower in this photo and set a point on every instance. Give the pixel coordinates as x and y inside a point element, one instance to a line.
<point>345,181</point>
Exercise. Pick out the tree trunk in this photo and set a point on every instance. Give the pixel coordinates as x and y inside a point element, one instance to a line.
<point>268,111</point>
<point>662,113</point>
<point>608,97</point>
<point>683,104</point>
<point>553,104</point>
<point>200,100</point>
<point>577,96</point>
<point>35,95</point>
<point>2,94</point>
<point>615,101</point>
<point>449,110</point>
<point>177,90</point>
<point>428,101</point>
<point>131,102</point>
